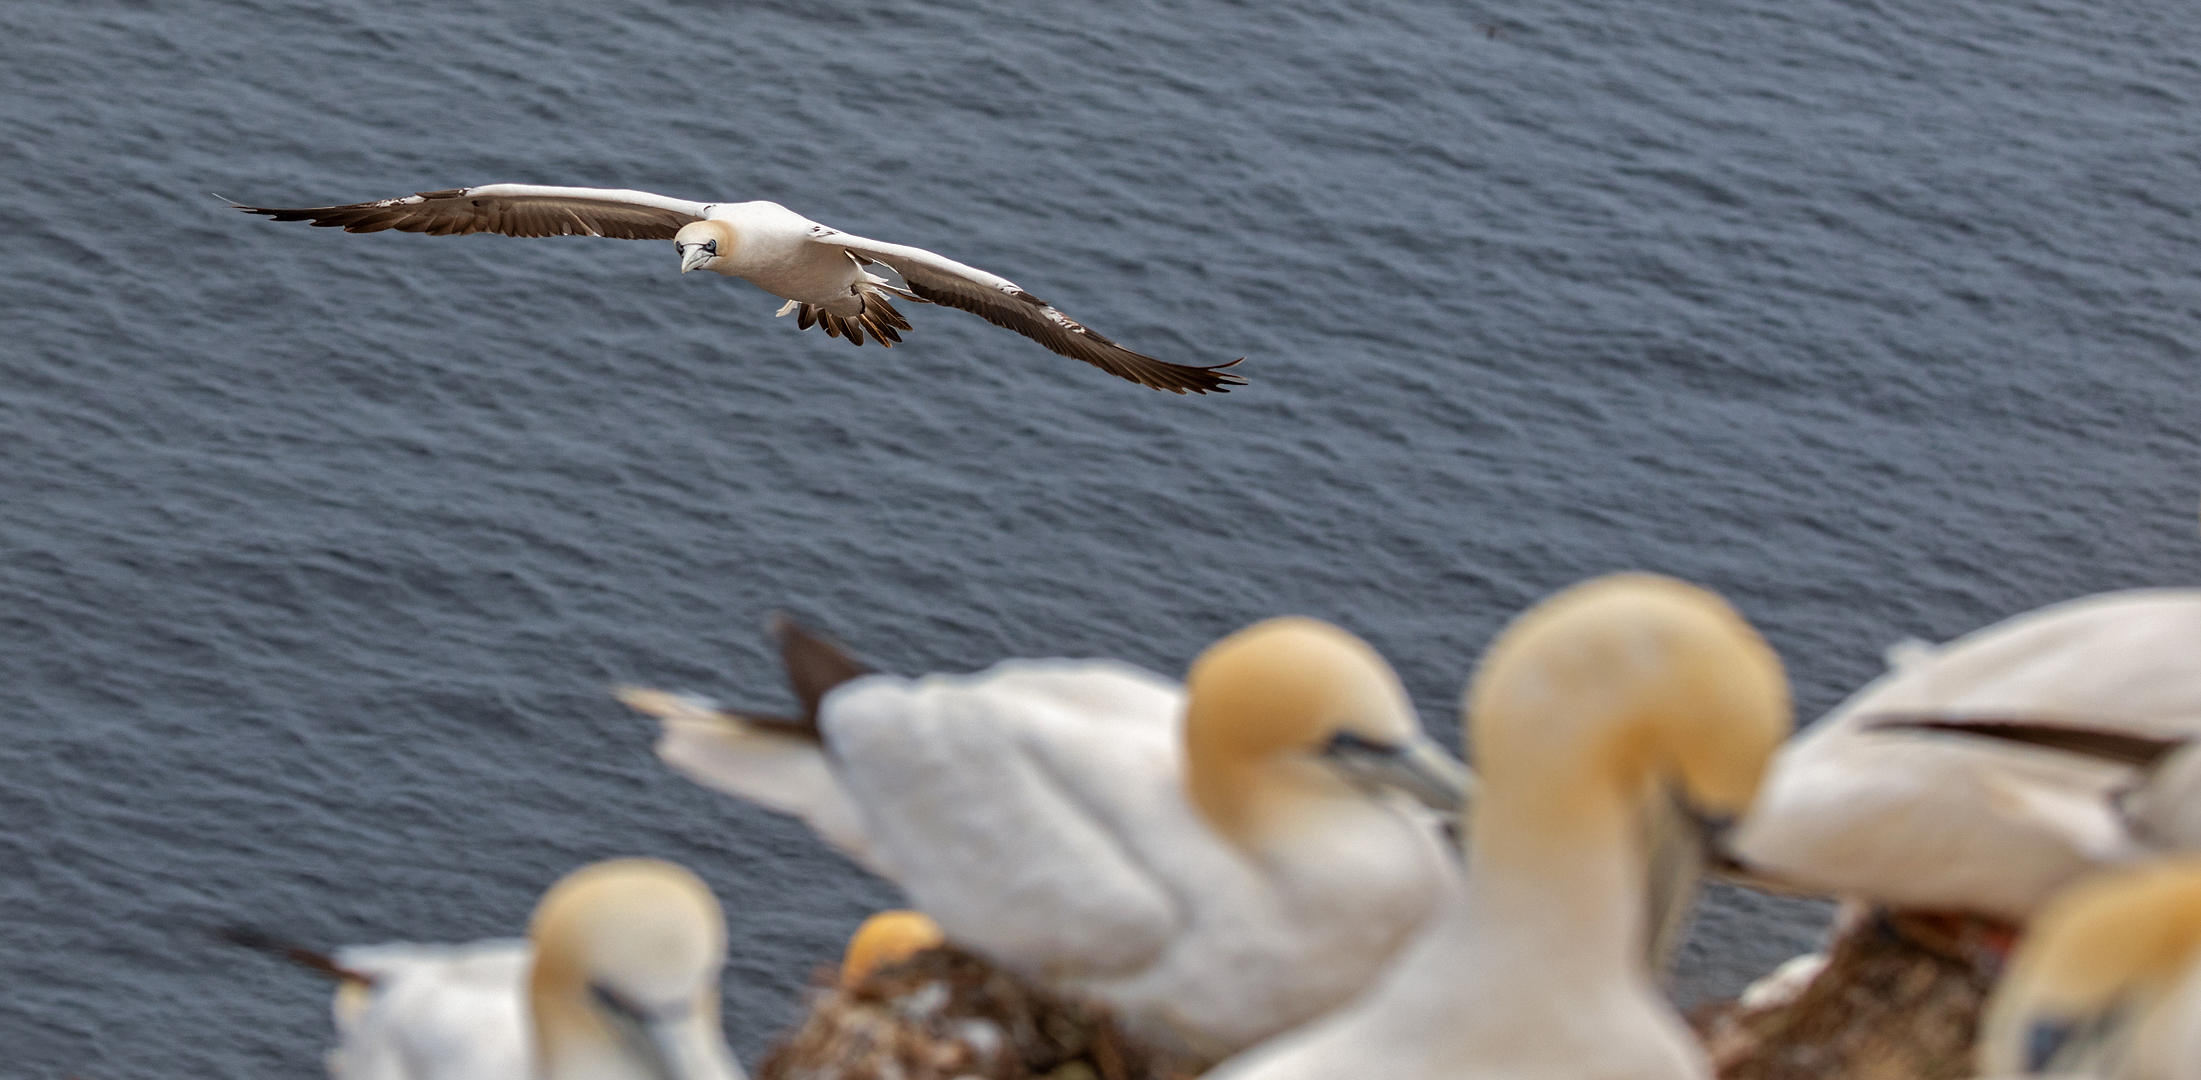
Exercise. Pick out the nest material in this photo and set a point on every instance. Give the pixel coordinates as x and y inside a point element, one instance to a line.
<point>945,1014</point>
<point>1898,999</point>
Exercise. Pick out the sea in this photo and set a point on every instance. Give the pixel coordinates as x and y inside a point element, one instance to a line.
<point>318,552</point>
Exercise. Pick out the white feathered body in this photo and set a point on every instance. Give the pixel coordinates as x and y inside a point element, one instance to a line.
<point>1923,821</point>
<point>435,1012</point>
<point>777,251</point>
<point>1518,977</point>
<point>1038,812</point>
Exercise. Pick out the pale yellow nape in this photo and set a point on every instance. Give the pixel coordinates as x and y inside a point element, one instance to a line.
<point>1623,681</point>
<point>648,929</point>
<point>2122,936</point>
<point>1260,702</point>
<point>885,939</point>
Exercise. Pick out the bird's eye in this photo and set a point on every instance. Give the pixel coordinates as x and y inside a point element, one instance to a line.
<point>711,246</point>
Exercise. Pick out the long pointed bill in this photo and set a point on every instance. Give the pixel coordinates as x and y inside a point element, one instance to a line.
<point>1417,767</point>
<point>693,256</point>
<point>690,1048</point>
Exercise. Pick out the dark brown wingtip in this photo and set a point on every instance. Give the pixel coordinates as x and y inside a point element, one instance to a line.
<point>2085,740</point>
<point>815,663</point>
<point>310,959</point>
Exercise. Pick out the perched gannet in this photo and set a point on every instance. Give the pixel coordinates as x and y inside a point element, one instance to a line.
<point>1611,696</point>
<point>617,980</point>
<point>1054,815</point>
<point>2107,982</point>
<point>819,271</point>
<point>1910,819</point>
<point>885,939</point>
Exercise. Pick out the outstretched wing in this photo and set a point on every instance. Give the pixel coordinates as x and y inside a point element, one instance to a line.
<point>510,209</point>
<point>998,300</point>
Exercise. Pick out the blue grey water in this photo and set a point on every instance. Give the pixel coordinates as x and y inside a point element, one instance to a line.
<point>317,552</point>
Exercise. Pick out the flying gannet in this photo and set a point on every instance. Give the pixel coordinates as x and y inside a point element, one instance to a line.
<point>2106,983</point>
<point>1865,809</point>
<point>819,271</point>
<point>617,980</point>
<point>1219,861</point>
<point>1589,709</point>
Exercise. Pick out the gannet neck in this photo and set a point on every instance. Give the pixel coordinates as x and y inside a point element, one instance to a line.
<point>2108,975</point>
<point>1613,693</point>
<point>1261,705</point>
<point>625,980</point>
<point>885,939</point>
<point>1568,903</point>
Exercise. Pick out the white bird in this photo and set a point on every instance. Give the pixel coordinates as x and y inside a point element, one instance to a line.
<point>1053,815</point>
<point>617,980</point>
<point>1911,820</point>
<point>2159,805</point>
<point>1593,706</point>
<point>819,271</point>
<point>2106,983</point>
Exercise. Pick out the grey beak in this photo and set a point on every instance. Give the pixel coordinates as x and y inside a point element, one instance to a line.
<point>669,1044</point>
<point>693,256</point>
<point>2044,1043</point>
<point>1417,767</point>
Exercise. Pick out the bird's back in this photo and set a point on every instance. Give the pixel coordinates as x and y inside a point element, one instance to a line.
<point>435,1012</point>
<point>1906,818</point>
<point>1011,805</point>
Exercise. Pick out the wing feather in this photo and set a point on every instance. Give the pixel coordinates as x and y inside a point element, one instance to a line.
<point>509,209</point>
<point>941,280</point>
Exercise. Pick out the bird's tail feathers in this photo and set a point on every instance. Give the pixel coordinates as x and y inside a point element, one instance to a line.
<point>696,711</point>
<point>877,318</point>
<point>311,959</point>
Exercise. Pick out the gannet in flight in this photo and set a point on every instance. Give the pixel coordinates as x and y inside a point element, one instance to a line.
<point>1219,861</point>
<point>617,980</point>
<point>2106,982</point>
<point>818,270</point>
<point>1860,808</point>
<point>1590,710</point>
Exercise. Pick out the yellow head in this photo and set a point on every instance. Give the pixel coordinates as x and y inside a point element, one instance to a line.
<point>1273,710</point>
<point>886,939</point>
<point>1623,681</point>
<point>2091,966</point>
<point>625,982</point>
<point>702,244</point>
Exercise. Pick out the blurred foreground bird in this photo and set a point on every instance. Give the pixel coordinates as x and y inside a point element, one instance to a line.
<point>1860,808</point>
<point>2107,983</point>
<point>1219,861</point>
<point>1593,714</point>
<point>820,272</point>
<point>617,980</point>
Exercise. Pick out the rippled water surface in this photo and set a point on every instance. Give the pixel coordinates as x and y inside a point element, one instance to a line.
<point>317,551</point>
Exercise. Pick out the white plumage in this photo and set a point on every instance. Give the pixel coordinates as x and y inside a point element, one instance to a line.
<point>1919,820</point>
<point>1040,812</point>
<point>617,980</point>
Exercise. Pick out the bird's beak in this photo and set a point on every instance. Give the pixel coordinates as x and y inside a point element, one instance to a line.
<point>693,256</point>
<point>678,1044</point>
<point>688,1048</point>
<point>1417,767</point>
